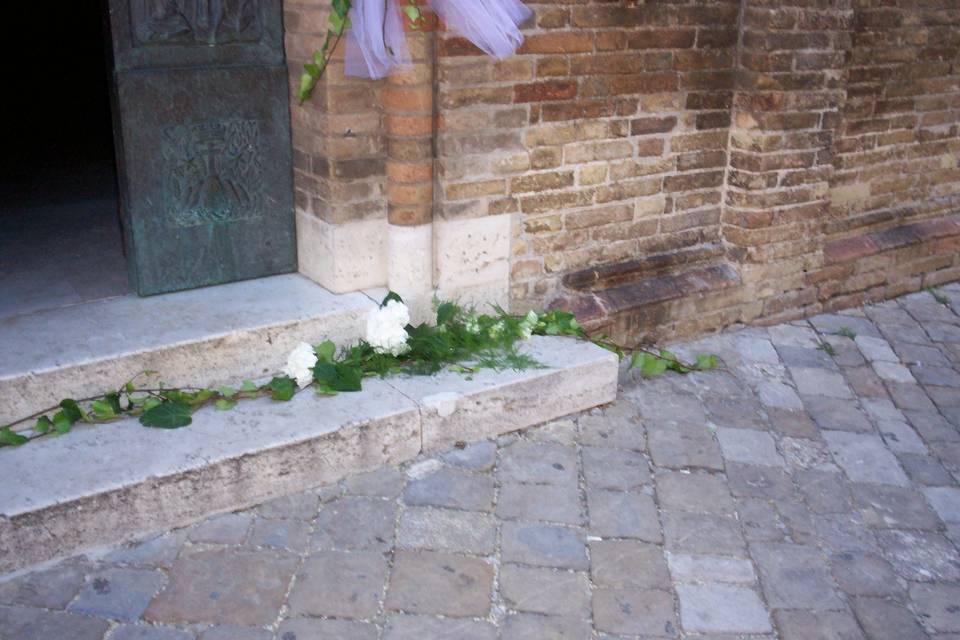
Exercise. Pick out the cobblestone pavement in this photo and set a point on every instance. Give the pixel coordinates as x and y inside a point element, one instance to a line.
<point>807,492</point>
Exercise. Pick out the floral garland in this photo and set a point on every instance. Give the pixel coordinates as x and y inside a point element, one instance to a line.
<point>461,340</point>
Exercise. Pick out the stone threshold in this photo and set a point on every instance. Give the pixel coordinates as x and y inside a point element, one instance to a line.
<point>215,335</point>
<point>109,483</point>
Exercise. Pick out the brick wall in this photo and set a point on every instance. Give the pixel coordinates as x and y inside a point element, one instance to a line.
<point>606,135</point>
<point>664,167</point>
<point>895,182</point>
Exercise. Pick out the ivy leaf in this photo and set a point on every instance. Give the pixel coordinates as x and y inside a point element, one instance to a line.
<point>706,362</point>
<point>341,7</point>
<point>672,362</point>
<point>338,377</point>
<point>173,395</point>
<point>325,351</point>
<point>249,387</point>
<point>348,378</point>
<point>324,372</point>
<point>10,437</point>
<point>337,22</point>
<point>312,69</point>
<point>227,392</point>
<point>103,410</point>
<point>61,422</point>
<point>167,415</point>
<point>652,366</point>
<point>113,399</point>
<point>223,404</point>
<point>392,295</point>
<point>197,398</point>
<point>307,83</point>
<point>675,365</point>
<point>413,15</point>
<point>282,388</point>
<point>43,425</point>
<point>72,410</point>
<point>445,312</point>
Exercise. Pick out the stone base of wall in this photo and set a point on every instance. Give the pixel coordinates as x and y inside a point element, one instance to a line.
<point>636,306</point>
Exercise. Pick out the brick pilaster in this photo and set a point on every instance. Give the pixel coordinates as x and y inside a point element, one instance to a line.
<point>789,91</point>
<point>408,102</point>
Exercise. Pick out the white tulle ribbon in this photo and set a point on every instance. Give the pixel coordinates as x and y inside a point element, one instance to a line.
<point>492,25</point>
<point>376,44</point>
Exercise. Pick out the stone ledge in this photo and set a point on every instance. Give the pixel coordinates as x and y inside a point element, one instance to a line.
<point>611,275</point>
<point>218,335</point>
<point>113,482</point>
<point>868,244</point>
<point>595,307</point>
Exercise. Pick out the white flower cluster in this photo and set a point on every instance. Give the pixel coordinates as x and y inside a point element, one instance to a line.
<point>528,324</point>
<point>300,364</point>
<point>386,328</point>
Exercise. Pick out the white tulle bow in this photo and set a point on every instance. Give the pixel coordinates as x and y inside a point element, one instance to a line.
<point>376,44</point>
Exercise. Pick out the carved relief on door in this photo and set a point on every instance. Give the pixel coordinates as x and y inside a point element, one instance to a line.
<point>213,172</point>
<point>195,22</point>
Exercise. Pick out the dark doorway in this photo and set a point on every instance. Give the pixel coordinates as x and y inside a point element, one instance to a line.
<point>60,235</point>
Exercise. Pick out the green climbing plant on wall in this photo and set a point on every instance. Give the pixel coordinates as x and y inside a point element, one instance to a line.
<point>340,22</point>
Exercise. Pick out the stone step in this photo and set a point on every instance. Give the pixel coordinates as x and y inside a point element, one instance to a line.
<point>214,335</point>
<point>650,308</point>
<point>109,483</point>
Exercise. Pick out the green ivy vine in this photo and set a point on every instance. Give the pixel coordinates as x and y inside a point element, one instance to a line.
<point>339,22</point>
<point>461,340</point>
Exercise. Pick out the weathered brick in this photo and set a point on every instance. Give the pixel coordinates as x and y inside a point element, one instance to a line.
<point>543,91</point>
<point>611,132</point>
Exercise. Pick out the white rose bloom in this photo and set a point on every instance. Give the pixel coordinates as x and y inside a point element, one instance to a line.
<point>528,324</point>
<point>300,363</point>
<point>386,328</point>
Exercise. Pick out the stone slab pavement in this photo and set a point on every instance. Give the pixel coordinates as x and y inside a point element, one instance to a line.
<point>804,492</point>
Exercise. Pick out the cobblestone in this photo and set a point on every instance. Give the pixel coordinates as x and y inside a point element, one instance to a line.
<point>447,530</point>
<point>543,545</point>
<point>439,583</point>
<point>798,495</point>
<point>628,563</point>
<point>547,591</point>
<point>721,608</point>
<point>118,594</point>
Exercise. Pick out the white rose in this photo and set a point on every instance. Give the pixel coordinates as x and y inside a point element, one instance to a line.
<point>528,324</point>
<point>386,328</point>
<point>300,363</point>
